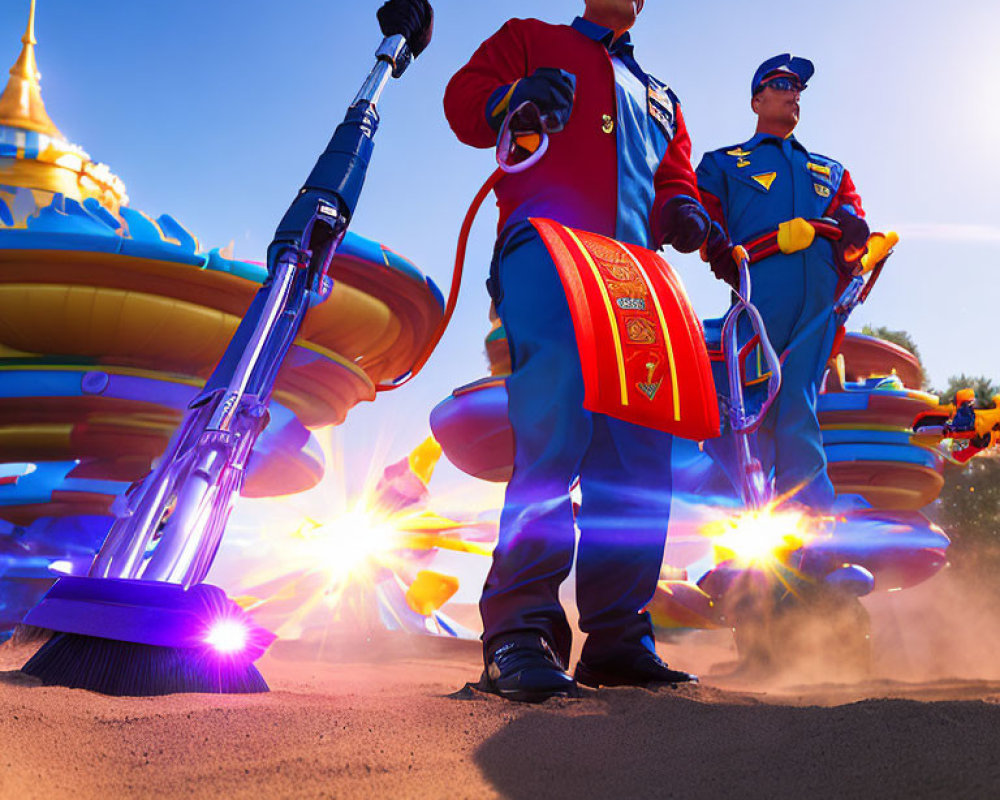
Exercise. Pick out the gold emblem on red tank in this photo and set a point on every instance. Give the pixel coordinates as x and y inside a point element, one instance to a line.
<point>631,303</point>
<point>649,387</point>
<point>625,280</point>
<point>640,331</point>
<point>607,123</point>
<point>631,289</point>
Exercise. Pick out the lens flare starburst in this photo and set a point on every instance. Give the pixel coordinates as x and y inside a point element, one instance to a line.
<point>759,537</point>
<point>228,636</point>
<point>349,559</point>
<point>351,544</point>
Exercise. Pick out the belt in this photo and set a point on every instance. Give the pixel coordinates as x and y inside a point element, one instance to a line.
<point>791,237</point>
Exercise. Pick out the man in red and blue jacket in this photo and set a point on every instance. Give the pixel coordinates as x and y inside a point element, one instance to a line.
<point>752,189</point>
<point>619,165</point>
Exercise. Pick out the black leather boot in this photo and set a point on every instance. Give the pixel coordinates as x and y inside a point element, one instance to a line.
<point>524,667</point>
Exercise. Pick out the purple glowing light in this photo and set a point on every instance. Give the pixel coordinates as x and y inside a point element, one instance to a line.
<point>228,636</point>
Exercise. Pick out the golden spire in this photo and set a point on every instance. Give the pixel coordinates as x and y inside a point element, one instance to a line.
<point>21,103</point>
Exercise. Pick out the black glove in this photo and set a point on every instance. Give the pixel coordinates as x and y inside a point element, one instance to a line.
<point>414,19</point>
<point>718,251</point>
<point>685,223</point>
<point>851,246</point>
<point>551,90</point>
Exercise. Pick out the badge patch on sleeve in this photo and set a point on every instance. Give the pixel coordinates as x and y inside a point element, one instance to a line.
<point>662,106</point>
<point>821,190</point>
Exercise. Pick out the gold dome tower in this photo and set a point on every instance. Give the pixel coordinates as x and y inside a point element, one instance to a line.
<point>34,154</point>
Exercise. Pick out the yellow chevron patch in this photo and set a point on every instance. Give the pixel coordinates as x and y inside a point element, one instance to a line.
<point>739,152</point>
<point>765,179</point>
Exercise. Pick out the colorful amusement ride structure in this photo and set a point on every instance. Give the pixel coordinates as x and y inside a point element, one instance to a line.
<point>111,322</point>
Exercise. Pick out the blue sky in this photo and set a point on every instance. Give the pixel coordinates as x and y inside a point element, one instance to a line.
<point>214,112</point>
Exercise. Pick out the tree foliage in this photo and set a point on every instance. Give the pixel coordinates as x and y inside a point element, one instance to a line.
<point>984,388</point>
<point>900,338</point>
<point>969,512</point>
<point>968,508</point>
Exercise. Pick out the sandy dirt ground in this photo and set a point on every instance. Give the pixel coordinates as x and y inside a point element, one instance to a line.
<point>388,717</point>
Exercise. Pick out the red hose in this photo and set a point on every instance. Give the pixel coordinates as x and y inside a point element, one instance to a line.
<point>456,282</point>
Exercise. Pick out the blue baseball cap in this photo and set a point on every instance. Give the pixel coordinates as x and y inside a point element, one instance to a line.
<point>786,64</point>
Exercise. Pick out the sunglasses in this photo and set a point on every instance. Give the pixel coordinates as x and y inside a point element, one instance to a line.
<point>783,85</point>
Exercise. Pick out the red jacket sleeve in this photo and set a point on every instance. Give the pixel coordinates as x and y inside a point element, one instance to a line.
<point>847,195</point>
<point>713,205</point>
<point>674,176</point>
<point>500,60</point>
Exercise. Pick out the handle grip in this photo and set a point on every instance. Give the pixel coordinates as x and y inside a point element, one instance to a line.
<point>523,139</point>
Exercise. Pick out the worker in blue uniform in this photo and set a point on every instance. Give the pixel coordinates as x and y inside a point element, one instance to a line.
<point>637,185</point>
<point>760,191</point>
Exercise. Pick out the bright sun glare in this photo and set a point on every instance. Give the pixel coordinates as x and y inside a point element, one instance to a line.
<point>346,545</point>
<point>758,537</point>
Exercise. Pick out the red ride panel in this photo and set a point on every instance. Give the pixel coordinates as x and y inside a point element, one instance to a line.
<point>641,346</point>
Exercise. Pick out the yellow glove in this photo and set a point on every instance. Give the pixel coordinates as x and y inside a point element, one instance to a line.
<point>879,247</point>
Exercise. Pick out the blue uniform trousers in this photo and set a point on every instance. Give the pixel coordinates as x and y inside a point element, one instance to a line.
<point>795,296</point>
<point>624,473</point>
